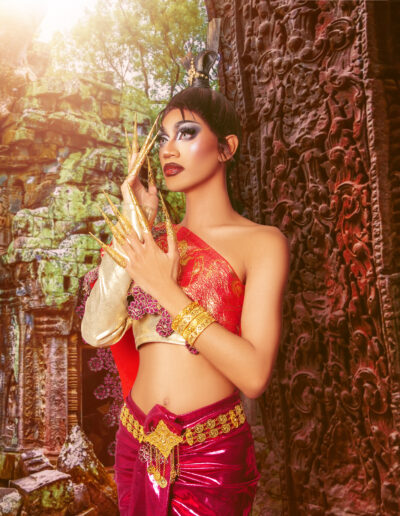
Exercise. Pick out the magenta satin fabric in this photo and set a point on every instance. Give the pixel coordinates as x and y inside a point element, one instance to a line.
<point>217,477</point>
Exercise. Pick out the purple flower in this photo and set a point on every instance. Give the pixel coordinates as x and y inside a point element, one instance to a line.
<point>111,449</point>
<point>101,392</point>
<point>96,364</point>
<point>142,303</point>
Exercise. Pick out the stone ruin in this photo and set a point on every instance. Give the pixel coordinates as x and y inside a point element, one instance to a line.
<point>62,144</point>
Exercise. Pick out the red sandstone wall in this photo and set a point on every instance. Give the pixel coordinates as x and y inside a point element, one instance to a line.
<point>316,85</point>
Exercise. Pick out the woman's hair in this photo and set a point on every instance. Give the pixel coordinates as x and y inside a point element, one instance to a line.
<point>216,110</point>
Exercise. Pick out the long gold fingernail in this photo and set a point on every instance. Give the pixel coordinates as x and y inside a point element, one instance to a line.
<point>115,255</point>
<point>141,157</point>
<point>126,226</point>
<point>127,144</point>
<point>150,176</point>
<point>146,146</point>
<point>168,222</point>
<point>144,223</point>
<point>119,237</point>
<point>143,151</point>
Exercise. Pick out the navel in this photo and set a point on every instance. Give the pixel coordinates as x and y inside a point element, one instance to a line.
<point>165,402</point>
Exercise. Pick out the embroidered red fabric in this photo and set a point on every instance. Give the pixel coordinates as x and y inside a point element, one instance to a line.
<point>206,277</point>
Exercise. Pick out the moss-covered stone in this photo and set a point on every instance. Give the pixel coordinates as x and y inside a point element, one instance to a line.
<point>44,491</point>
<point>18,135</point>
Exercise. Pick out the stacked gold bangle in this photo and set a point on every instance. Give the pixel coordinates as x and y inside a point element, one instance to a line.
<point>192,321</point>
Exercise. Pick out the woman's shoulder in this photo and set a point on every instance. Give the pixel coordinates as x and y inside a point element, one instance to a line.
<point>260,233</point>
<point>262,242</point>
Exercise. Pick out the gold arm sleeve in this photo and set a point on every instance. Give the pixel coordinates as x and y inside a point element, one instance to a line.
<point>106,318</point>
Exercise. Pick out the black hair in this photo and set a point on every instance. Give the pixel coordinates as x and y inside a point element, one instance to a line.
<point>217,111</point>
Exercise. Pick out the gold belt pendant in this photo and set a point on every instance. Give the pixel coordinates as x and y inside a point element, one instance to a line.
<point>163,441</point>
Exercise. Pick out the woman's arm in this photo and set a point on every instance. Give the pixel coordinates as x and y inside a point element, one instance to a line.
<point>105,319</point>
<point>246,360</point>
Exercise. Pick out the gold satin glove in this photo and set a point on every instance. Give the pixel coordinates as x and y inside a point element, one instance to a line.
<point>106,319</point>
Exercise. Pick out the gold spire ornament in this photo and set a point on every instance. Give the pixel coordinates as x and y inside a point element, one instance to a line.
<point>193,73</point>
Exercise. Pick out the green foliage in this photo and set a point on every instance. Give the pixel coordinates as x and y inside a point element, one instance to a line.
<point>136,44</point>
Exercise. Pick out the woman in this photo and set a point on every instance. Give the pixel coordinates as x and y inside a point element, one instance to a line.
<point>236,270</point>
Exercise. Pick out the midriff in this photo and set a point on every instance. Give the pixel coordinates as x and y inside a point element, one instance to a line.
<point>171,376</point>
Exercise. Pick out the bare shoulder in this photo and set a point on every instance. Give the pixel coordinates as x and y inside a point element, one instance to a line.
<point>263,246</point>
<point>258,236</point>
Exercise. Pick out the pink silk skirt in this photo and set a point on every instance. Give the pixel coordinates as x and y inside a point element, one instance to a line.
<point>218,476</point>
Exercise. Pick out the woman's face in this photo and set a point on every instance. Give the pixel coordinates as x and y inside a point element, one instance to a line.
<point>188,150</point>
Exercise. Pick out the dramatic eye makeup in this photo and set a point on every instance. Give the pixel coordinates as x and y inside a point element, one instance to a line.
<point>185,130</point>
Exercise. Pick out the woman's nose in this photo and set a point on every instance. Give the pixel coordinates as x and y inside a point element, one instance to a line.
<point>169,149</point>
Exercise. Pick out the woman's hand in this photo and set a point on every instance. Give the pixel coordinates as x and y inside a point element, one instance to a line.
<point>155,271</point>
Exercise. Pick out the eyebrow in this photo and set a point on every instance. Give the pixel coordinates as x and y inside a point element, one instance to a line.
<point>179,123</point>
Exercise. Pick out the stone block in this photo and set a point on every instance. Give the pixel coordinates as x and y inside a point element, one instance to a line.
<point>44,151</point>
<point>45,491</point>
<point>78,459</point>
<point>9,465</point>
<point>110,111</point>
<point>81,501</point>
<point>19,135</point>
<point>53,137</point>
<point>33,461</point>
<point>34,119</point>
<point>10,502</point>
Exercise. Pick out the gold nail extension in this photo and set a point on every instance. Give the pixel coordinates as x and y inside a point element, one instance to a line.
<point>144,150</point>
<point>115,255</point>
<point>117,233</point>
<point>144,223</point>
<point>150,176</point>
<point>141,157</point>
<point>168,222</point>
<point>126,226</point>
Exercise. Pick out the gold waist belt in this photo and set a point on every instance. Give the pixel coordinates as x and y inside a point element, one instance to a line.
<point>159,445</point>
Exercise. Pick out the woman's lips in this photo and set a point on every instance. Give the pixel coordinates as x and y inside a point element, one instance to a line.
<point>172,169</point>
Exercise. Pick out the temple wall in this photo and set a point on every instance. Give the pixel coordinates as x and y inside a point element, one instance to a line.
<point>62,144</point>
<point>317,88</point>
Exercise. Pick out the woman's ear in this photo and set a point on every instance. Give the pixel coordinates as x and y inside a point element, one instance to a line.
<point>229,148</point>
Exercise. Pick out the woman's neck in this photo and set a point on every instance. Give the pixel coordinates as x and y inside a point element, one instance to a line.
<point>208,204</point>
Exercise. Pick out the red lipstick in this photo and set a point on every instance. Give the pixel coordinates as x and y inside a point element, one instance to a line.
<point>171,169</point>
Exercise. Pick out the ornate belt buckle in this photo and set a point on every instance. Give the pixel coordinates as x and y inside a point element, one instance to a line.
<point>163,439</point>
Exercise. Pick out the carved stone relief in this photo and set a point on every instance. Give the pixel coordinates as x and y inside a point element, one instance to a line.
<point>316,87</point>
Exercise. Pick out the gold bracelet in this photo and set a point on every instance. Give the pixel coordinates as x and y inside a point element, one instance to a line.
<point>203,324</point>
<point>181,325</point>
<point>191,321</point>
<point>184,312</point>
<point>193,324</point>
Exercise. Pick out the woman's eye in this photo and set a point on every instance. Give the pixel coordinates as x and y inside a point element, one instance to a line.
<point>160,139</point>
<point>187,131</point>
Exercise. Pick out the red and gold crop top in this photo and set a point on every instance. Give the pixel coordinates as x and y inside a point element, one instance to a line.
<point>206,277</point>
